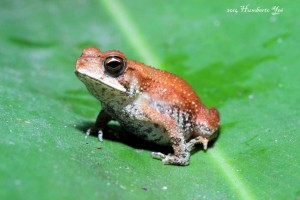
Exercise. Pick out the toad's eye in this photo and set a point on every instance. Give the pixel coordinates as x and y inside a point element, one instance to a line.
<point>114,65</point>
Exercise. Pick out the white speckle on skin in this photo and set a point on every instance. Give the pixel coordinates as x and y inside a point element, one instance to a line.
<point>164,187</point>
<point>134,87</point>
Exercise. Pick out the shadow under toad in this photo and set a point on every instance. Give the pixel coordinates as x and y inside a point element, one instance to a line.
<point>114,132</point>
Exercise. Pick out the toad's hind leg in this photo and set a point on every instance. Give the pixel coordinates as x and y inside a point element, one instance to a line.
<point>181,152</point>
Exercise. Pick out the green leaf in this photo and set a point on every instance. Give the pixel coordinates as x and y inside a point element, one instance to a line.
<point>246,64</point>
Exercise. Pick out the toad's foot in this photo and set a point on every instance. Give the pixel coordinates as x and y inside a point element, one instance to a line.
<point>102,120</point>
<point>182,160</point>
<point>158,155</point>
<point>95,130</point>
<point>198,140</point>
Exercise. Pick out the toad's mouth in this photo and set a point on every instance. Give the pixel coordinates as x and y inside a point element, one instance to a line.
<point>112,83</point>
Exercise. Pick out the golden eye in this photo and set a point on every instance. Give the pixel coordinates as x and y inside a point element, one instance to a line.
<point>114,65</point>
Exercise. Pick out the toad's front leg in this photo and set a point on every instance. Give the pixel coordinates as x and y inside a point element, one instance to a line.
<point>101,121</point>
